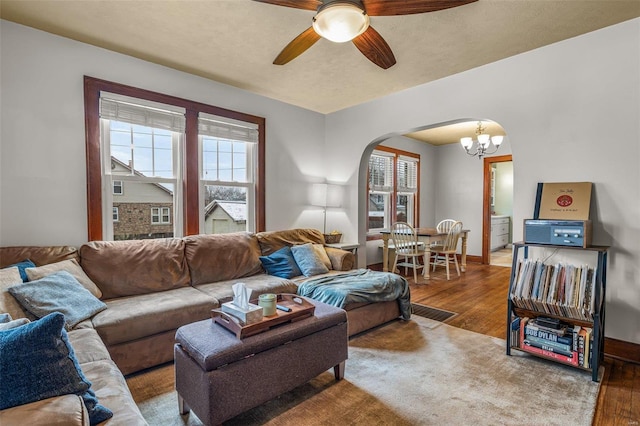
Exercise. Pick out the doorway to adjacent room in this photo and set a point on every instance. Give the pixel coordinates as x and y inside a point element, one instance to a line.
<point>497,210</point>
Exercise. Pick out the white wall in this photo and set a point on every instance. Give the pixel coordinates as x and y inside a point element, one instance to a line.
<point>42,151</point>
<point>504,189</point>
<point>571,112</point>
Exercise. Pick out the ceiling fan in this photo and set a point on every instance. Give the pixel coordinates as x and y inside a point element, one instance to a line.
<point>348,20</point>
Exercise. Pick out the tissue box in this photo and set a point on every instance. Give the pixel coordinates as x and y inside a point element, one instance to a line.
<point>247,316</point>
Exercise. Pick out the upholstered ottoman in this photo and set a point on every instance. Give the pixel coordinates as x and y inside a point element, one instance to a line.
<point>219,376</point>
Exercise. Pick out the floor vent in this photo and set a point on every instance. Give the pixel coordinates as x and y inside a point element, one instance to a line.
<point>432,313</point>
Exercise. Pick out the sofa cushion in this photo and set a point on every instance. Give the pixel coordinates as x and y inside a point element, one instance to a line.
<point>219,257</point>
<point>321,254</point>
<point>71,266</point>
<point>8,325</point>
<point>58,292</point>
<point>22,268</point>
<point>10,277</point>
<point>274,240</point>
<point>112,391</point>
<point>341,260</point>
<point>308,260</point>
<point>63,410</point>
<point>260,284</point>
<point>38,362</point>
<point>281,263</point>
<point>127,268</point>
<point>39,255</point>
<point>134,317</point>
<point>88,346</point>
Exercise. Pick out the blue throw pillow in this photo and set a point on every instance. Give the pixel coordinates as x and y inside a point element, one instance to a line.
<point>308,260</point>
<point>281,263</point>
<point>37,362</point>
<point>21,268</point>
<point>58,292</point>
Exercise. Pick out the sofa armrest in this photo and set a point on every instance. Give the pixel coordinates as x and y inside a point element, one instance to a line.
<point>341,260</point>
<point>64,410</point>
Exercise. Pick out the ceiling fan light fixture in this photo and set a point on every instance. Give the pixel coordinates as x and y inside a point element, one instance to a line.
<point>340,22</point>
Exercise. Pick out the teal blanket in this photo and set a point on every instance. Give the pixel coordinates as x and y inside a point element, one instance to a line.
<point>362,285</point>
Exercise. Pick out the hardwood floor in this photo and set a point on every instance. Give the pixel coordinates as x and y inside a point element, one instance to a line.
<point>479,297</point>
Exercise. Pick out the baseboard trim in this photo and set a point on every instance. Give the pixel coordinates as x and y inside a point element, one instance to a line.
<point>470,259</point>
<point>474,259</point>
<point>622,350</point>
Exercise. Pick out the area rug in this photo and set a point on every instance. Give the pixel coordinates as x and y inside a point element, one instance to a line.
<point>419,372</point>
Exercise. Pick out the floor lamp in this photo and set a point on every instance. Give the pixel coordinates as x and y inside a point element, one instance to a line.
<point>325,195</point>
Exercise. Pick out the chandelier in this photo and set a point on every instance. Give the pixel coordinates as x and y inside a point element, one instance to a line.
<point>483,141</point>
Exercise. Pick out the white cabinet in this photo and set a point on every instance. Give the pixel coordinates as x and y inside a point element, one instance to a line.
<point>499,232</point>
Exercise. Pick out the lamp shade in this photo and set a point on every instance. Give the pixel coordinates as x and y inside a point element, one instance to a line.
<point>483,140</point>
<point>466,142</point>
<point>340,22</point>
<point>497,140</point>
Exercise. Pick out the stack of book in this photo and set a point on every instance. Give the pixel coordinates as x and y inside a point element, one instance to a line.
<point>560,289</point>
<point>553,339</point>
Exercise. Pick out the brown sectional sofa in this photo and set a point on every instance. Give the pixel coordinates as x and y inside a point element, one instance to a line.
<point>152,287</point>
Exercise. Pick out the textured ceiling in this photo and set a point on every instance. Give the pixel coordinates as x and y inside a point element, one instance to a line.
<point>235,41</point>
<point>453,132</point>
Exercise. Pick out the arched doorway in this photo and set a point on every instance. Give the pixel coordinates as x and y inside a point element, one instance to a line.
<point>456,190</point>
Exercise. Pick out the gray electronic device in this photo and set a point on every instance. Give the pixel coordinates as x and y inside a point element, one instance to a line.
<point>572,233</point>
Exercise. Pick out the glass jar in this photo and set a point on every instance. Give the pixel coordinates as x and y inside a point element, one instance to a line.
<point>268,303</point>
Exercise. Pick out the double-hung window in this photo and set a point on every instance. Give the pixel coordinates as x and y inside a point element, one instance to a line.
<point>381,183</point>
<point>141,145</point>
<point>393,188</point>
<point>160,215</point>
<point>406,189</point>
<point>118,188</point>
<point>163,166</point>
<point>228,151</point>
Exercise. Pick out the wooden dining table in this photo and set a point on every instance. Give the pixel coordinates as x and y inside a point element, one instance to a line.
<point>427,235</point>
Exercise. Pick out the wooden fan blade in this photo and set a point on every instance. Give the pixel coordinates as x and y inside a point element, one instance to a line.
<point>298,4</point>
<point>297,46</point>
<point>373,46</point>
<point>408,7</point>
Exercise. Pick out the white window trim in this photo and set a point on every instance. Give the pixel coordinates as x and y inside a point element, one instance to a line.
<point>108,178</point>
<point>118,184</point>
<point>250,185</point>
<point>387,212</point>
<point>394,192</point>
<point>115,214</point>
<point>160,215</point>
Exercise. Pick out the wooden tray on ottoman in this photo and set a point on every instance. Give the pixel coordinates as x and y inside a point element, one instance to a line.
<point>300,309</point>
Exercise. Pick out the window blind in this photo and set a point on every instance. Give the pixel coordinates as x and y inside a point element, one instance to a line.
<point>227,128</point>
<point>380,172</point>
<point>141,112</point>
<point>407,169</point>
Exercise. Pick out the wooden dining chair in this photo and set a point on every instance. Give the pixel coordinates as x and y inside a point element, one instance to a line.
<point>405,241</point>
<point>442,226</point>
<point>446,252</point>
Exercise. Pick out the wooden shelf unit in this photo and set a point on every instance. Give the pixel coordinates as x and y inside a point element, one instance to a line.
<point>598,322</point>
